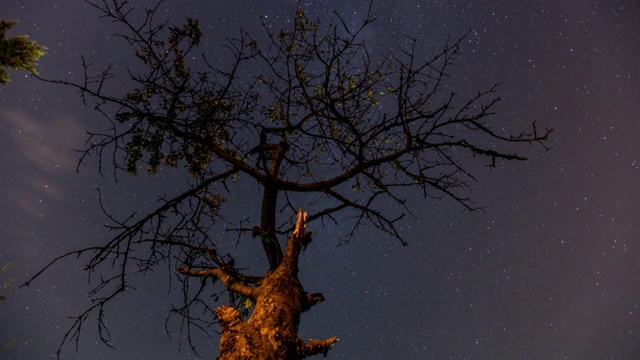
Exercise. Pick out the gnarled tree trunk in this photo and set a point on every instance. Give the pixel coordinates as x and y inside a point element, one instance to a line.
<point>270,333</point>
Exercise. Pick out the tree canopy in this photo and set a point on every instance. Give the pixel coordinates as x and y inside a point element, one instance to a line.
<point>17,52</point>
<point>310,115</point>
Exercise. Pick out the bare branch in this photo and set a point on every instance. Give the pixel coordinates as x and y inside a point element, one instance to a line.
<point>227,279</point>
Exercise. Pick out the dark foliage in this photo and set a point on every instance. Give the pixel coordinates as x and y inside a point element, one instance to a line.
<point>17,52</point>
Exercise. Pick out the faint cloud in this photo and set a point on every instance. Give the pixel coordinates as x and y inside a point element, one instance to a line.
<point>37,155</point>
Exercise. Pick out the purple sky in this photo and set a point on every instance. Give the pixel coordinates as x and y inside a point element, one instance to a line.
<point>551,269</point>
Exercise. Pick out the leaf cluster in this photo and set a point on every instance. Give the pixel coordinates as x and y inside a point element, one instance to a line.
<point>17,52</point>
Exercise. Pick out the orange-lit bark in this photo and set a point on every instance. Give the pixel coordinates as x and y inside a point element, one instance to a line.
<point>271,332</point>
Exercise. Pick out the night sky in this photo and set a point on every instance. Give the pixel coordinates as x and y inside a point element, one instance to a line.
<point>550,269</point>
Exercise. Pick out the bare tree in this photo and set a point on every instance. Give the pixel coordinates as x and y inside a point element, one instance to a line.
<point>310,114</point>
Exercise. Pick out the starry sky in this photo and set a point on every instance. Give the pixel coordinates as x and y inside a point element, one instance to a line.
<point>550,269</point>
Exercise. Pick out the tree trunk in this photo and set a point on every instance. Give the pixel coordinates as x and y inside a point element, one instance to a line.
<point>271,331</point>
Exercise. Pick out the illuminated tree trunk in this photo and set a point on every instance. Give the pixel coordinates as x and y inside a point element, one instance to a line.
<point>271,330</point>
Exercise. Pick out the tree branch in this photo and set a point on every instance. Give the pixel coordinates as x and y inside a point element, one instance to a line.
<point>317,346</point>
<point>229,281</point>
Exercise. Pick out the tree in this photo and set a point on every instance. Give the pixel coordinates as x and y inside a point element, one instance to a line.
<point>17,52</point>
<point>5,285</point>
<point>314,119</point>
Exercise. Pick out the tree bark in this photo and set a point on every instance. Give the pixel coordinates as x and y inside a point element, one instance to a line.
<point>268,227</point>
<point>271,331</point>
